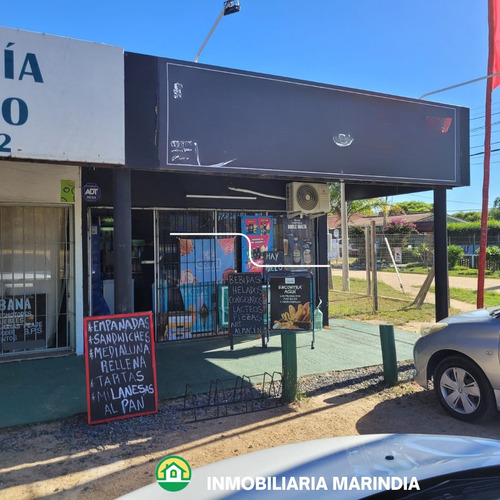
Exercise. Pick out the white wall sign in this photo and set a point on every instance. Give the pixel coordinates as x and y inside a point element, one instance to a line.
<point>61,99</point>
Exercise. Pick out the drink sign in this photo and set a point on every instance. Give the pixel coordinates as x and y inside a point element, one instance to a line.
<point>120,367</point>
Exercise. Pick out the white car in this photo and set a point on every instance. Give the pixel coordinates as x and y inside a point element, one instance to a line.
<point>460,356</point>
<point>381,466</point>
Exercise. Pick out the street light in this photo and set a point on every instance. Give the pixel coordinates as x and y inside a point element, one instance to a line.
<point>230,7</point>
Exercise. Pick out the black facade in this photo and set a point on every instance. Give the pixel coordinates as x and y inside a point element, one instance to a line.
<point>161,205</point>
<point>206,147</point>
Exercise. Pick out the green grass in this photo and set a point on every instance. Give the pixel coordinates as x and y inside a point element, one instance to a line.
<point>393,306</point>
<point>470,296</point>
<point>456,271</point>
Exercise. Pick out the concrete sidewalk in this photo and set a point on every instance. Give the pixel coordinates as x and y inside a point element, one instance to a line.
<point>52,388</point>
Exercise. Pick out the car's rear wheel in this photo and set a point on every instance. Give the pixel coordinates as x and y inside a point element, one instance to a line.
<point>463,390</point>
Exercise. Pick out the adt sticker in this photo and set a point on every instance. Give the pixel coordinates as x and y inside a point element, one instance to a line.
<point>91,192</point>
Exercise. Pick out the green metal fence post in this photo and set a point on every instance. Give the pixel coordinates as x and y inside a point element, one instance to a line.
<point>389,353</point>
<point>289,365</point>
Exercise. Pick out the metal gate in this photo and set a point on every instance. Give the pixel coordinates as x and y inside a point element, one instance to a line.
<point>190,269</point>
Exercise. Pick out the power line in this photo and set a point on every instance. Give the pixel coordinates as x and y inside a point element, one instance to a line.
<point>482,152</point>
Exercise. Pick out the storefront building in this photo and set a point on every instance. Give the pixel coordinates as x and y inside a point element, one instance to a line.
<point>179,159</point>
<point>62,107</point>
<point>183,279</point>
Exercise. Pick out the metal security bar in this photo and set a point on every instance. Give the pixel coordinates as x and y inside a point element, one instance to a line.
<point>191,271</point>
<point>186,276</point>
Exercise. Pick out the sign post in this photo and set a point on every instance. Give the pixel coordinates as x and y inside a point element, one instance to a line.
<point>289,366</point>
<point>292,303</point>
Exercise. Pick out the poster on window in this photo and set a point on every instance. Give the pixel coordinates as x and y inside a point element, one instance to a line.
<point>259,230</point>
<point>205,260</point>
<point>298,242</point>
<point>23,322</point>
<point>291,302</point>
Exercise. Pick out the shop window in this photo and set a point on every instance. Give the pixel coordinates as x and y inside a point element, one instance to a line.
<point>186,288</point>
<point>35,250</point>
<point>192,271</point>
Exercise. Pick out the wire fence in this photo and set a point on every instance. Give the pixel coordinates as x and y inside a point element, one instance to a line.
<point>408,251</point>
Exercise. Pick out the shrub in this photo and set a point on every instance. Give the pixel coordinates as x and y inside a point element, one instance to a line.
<point>492,257</point>
<point>472,228</point>
<point>411,255</point>
<point>399,226</point>
<point>493,253</point>
<point>455,253</point>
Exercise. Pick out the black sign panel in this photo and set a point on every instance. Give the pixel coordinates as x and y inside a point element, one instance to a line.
<point>246,304</point>
<point>221,120</point>
<point>291,302</point>
<point>23,322</point>
<point>120,364</point>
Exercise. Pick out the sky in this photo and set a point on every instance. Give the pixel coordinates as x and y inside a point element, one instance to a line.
<point>399,47</point>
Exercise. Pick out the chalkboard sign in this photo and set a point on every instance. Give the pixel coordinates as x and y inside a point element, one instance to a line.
<point>120,367</point>
<point>273,261</point>
<point>246,304</point>
<point>291,302</point>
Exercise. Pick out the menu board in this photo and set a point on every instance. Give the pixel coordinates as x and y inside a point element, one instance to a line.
<point>291,302</point>
<point>120,367</point>
<point>245,303</point>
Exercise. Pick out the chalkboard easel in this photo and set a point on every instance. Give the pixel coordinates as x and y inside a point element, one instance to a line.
<point>245,306</point>
<point>120,366</point>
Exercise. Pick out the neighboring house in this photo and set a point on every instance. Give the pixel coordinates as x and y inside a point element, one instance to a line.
<point>422,235</point>
<point>424,221</point>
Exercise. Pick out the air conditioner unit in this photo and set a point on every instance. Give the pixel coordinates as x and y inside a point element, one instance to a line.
<point>305,198</point>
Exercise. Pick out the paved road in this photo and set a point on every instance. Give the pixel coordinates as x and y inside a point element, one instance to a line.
<point>411,284</point>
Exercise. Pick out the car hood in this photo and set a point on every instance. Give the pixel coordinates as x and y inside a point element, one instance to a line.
<point>403,456</point>
<point>475,316</point>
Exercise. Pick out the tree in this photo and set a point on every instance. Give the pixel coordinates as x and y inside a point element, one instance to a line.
<point>494,213</point>
<point>364,207</point>
<point>370,206</point>
<point>413,206</point>
<point>468,216</point>
<point>425,254</point>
